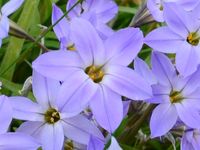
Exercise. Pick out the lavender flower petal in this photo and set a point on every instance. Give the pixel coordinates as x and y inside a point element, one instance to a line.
<point>164,116</point>
<point>62,28</point>
<point>122,50</point>
<point>5,114</point>
<point>102,105</point>
<point>163,69</point>
<point>79,129</point>
<point>126,82</point>
<point>11,6</point>
<point>18,141</point>
<point>52,137</point>
<point>95,144</point>
<point>57,64</point>
<point>164,40</point>
<point>25,109</point>
<point>90,47</point>
<point>45,90</point>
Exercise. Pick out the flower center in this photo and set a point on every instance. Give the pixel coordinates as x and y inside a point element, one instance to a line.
<point>51,116</point>
<point>193,38</point>
<point>175,97</point>
<point>95,73</point>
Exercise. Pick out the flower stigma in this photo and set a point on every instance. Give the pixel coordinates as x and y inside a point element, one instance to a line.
<point>175,97</point>
<point>193,38</point>
<point>52,116</point>
<point>95,73</point>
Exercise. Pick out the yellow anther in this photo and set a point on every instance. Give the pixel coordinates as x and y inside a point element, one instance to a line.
<point>193,38</point>
<point>51,116</point>
<point>175,97</point>
<point>52,120</point>
<point>71,47</point>
<point>95,73</point>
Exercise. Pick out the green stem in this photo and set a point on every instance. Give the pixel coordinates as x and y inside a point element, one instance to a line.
<point>129,134</point>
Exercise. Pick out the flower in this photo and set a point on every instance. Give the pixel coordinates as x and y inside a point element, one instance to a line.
<point>97,12</point>
<point>156,7</point>
<point>12,140</point>
<point>96,72</point>
<point>181,36</point>
<point>46,119</point>
<point>5,11</point>
<point>191,140</point>
<point>177,97</point>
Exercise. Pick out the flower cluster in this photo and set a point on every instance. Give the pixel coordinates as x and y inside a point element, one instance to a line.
<point>82,91</point>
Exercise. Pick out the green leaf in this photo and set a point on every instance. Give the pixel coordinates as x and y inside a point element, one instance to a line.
<point>26,20</point>
<point>129,10</point>
<point>13,87</point>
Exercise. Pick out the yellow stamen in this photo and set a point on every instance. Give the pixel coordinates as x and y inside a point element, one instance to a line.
<point>193,38</point>
<point>175,97</point>
<point>51,116</point>
<point>71,47</point>
<point>95,73</point>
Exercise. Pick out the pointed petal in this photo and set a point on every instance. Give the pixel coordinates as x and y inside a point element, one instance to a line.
<point>4,26</point>
<point>191,85</point>
<point>185,144</point>
<point>5,114</point>
<point>45,90</point>
<point>163,39</point>
<point>57,64</point>
<point>62,28</point>
<point>81,96</point>
<point>163,118</point>
<point>69,94</point>
<point>160,94</point>
<point>163,69</point>
<point>187,60</point>
<point>143,69</point>
<point>114,144</point>
<point>95,144</point>
<point>127,82</point>
<point>32,128</point>
<point>179,20</point>
<point>188,112</point>
<point>105,9</point>
<point>195,94</point>
<point>122,50</point>
<point>154,8</point>
<point>25,109</point>
<point>90,47</point>
<point>18,141</point>
<point>11,6</point>
<point>76,11</point>
<point>52,136</point>
<point>188,4</point>
<point>126,105</point>
<point>102,106</point>
<point>104,30</point>
<point>79,129</point>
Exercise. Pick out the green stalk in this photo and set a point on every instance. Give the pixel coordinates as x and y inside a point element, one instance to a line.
<point>129,133</point>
